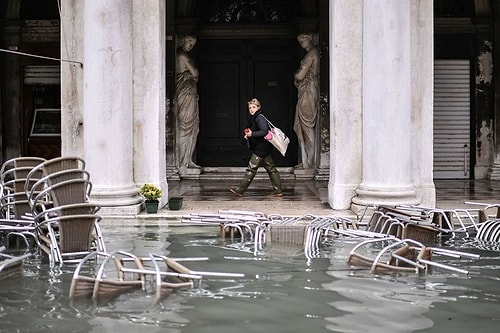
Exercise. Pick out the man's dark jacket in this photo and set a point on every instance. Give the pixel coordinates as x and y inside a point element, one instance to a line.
<point>257,144</point>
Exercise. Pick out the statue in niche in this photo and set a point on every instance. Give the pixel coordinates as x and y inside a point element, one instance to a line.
<point>484,145</point>
<point>186,100</point>
<point>306,111</point>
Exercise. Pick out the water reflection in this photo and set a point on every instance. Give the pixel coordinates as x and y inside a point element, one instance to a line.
<point>396,303</point>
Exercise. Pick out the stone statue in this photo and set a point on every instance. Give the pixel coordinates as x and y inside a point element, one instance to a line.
<point>306,111</point>
<point>186,98</point>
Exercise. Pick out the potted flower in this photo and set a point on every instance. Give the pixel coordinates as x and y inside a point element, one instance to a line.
<point>151,195</point>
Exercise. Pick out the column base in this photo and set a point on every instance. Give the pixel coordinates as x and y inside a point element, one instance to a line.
<point>117,201</point>
<point>481,172</point>
<point>494,172</point>
<point>340,196</point>
<point>114,211</point>
<point>376,197</point>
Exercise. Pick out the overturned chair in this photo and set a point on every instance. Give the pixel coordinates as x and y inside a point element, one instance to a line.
<point>110,280</point>
<point>11,266</point>
<point>392,254</point>
<point>120,272</point>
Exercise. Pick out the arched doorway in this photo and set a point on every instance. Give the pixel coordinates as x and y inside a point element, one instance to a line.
<point>245,49</point>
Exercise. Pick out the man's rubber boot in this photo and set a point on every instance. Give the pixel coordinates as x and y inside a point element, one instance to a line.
<point>276,183</point>
<point>245,182</point>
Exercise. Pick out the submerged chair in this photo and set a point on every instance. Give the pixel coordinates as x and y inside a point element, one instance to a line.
<point>120,272</point>
<point>17,233</point>
<point>172,277</point>
<point>489,231</point>
<point>11,266</point>
<point>110,279</point>
<point>68,238</point>
<point>392,254</point>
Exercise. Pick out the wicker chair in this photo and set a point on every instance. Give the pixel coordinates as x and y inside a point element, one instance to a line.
<point>11,266</point>
<point>110,279</point>
<point>407,255</point>
<point>68,238</point>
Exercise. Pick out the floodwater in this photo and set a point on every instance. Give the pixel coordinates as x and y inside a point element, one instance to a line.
<point>282,291</point>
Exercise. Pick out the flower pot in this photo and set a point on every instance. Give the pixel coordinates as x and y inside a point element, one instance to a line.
<point>151,206</point>
<point>175,203</point>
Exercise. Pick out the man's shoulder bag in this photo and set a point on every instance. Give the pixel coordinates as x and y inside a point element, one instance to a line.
<point>277,138</point>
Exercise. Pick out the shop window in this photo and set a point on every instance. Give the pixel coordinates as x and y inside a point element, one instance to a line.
<point>46,122</point>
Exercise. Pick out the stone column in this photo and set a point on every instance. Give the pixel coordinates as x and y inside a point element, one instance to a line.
<point>346,42</point>
<point>422,96</point>
<point>386,104</point>
<point>149,94</point>
<point>72,78</point>
<point>108,103</point>
<point>495,169</point>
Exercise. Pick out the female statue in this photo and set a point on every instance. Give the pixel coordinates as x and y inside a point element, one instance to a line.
<point>306,111</point>
<point>186,97</point>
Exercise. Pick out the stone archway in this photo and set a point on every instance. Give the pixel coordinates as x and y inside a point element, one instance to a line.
<point>232,20</point>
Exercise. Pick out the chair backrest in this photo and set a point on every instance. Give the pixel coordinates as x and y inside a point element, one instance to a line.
<point>75,232</point>
<point>489,231</point>
<point>62,163</point>
<point>18,162</point>
<point>15,206</point>
<point>54,171</point>
<point>18,173</point>
<point>67,192</point>
<point>376,221</point>
<point>71,209</point>
<point>14,172</point>
<point>18,185</point>
<point>63,175</point>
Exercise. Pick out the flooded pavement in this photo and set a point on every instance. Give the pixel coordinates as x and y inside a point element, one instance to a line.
<point>282,290</point>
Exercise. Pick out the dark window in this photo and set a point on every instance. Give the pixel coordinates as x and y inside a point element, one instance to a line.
<point>247,11</point>
<point>39,10</point>
<point>454,8</point>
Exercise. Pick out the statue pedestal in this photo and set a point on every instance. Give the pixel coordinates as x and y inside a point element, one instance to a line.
<point>190,173</point>
<point>304,173</point>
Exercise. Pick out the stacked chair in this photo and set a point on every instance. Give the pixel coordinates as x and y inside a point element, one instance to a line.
<point>13,175</point>
<point>66,222</point>
<point>16,216</point>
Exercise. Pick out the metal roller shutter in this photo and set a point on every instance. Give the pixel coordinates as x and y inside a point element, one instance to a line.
<point>452,119</point>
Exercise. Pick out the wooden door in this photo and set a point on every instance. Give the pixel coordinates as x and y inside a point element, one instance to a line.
<point>233,72</point>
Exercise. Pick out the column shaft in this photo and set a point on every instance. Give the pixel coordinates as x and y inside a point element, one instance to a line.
<point>108,102</point>
<point>386,104</point>
<point>149,93</point>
